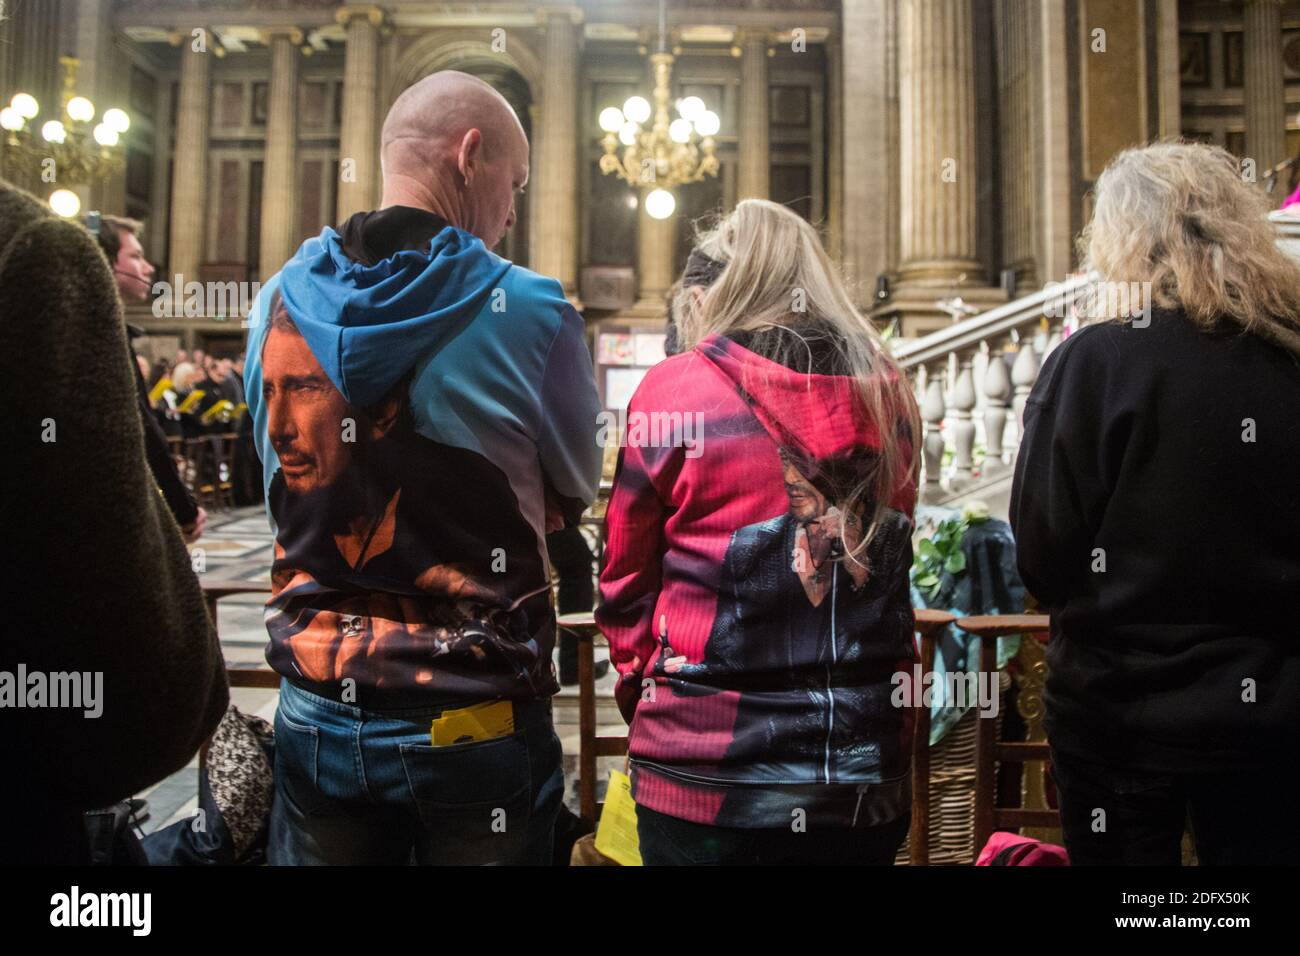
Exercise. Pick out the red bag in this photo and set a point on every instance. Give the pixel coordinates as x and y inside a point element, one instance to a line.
<point>1011,849</point>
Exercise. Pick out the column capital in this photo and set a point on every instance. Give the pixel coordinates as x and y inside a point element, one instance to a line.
<point>576,15</point>
<point>293,34</point>
<point>182,36</point>
<point>753,36</point>
<point>352,11</point>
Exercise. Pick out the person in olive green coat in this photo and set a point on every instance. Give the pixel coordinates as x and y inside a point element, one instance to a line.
<point>95,580</point>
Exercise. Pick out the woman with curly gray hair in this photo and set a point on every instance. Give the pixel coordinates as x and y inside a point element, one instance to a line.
<point>1157,517</point>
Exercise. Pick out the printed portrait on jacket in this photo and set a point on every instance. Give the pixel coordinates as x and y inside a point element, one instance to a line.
<point>806,632</point>
<point>383,559</point>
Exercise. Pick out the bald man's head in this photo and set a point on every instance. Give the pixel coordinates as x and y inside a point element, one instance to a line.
<point>452,144</point>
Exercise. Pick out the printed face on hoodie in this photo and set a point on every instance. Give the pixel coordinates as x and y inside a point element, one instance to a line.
<point>305,414</point>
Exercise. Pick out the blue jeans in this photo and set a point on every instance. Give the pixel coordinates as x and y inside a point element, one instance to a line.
<point>355,786</point>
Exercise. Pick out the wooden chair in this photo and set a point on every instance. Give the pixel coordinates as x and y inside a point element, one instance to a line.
<point>238,675</point>
<point>989,750</point>
<point>928,624</point>
<point>590,746</point>
<point>214,590</point>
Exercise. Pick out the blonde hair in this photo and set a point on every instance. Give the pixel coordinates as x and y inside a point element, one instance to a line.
<point>776,275</point>
<point>183,376</point>
<point>1179,216</point>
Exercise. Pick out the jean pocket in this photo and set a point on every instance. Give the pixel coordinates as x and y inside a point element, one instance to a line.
<point>297,762</point>
<point>473,800</point>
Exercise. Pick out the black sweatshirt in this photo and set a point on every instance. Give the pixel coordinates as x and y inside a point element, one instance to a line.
<point>1170,455</point>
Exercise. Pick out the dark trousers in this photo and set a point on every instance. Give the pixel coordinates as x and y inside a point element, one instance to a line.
<point>1115,816</point>
<point>668,841</point>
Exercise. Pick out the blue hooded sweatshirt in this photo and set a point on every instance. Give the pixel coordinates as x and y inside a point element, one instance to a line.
<point>420,406</point>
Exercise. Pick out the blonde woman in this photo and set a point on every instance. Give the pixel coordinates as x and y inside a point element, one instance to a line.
<point>755,592</point>
<point>1157,516</point>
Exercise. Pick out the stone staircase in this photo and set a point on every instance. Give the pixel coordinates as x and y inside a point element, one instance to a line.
<point>972,379</point>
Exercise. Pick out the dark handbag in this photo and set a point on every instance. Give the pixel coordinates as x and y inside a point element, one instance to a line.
<point>236,783</point>
<point>110,838</point>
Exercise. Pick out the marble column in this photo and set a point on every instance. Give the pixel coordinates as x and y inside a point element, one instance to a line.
<point>160,178</point>
<point>554,190</point>
<point>359,129</point>
<point>1265,86</point>
<point>868,180</point>
<point>29,61</point>
<point>1015,23</point>
<point>835,153</point>
<point>190,162</point>
<point>654,263</point>
<point>754,153</point>
<point>279,172</point>
<point>1168,85</point>
<point>1055,138</point>
<point>938,142</point>
<point>99,78</point>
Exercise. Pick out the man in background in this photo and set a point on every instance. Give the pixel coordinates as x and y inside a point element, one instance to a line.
<point>120,241</point>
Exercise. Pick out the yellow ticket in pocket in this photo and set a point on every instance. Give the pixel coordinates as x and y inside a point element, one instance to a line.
<point>465,725</point>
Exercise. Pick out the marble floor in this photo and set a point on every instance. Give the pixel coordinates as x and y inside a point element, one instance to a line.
<point>237,545</point>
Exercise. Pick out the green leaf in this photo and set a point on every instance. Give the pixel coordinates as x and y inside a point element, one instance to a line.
<point>928,548</point>
<point>956,563</point>
<point>927,581</point>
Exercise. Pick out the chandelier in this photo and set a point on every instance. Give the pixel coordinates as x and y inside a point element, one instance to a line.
<point>81,153</point>
<point>668,153</point>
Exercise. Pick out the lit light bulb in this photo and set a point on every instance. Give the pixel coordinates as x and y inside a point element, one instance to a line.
<point>637,109</point>
<point>65,202</point>
<point>81,109</point>
<point>25,104</point>
<point>680,130</point>
<point>116,119</point>
<point>627,135</point>
<point>11,119</point>
<point>611,119</point>
<point>105,136</point>
<point>708,124</point>
<point>54,132</point>
<point>659,204</point>
<point>690,108</point>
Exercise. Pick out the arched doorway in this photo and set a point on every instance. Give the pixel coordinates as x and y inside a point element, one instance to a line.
<point>515,75</point>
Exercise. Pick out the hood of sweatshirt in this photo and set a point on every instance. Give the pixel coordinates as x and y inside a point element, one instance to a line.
<point>817,418</point>
<point>368,324</point>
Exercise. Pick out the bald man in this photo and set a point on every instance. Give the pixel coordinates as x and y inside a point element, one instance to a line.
<point>425,411</point>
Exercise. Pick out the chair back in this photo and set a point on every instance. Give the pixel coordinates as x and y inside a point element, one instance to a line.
<point>989,751</point>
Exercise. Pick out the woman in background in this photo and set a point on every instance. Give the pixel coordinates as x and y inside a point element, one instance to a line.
<point>1157,516</point>
<point>755,593</point>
